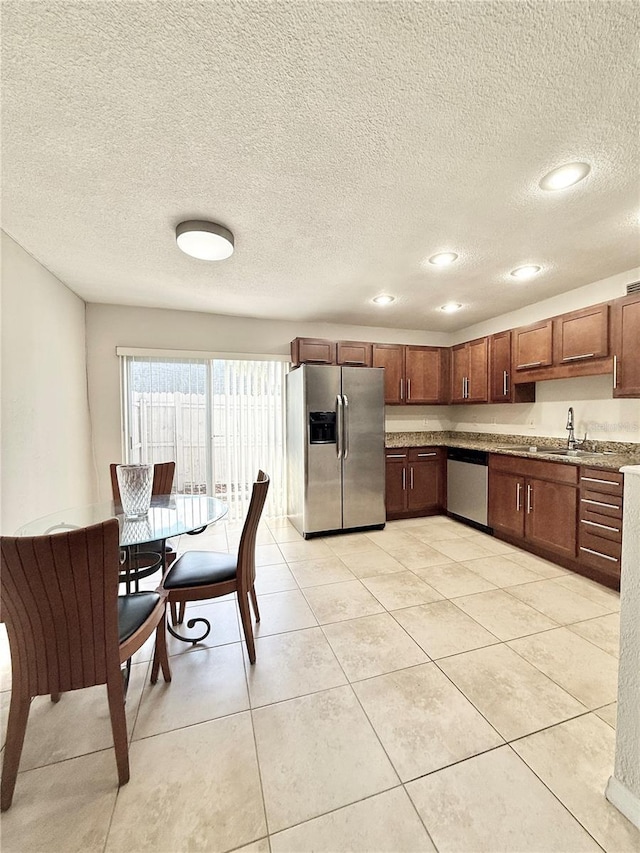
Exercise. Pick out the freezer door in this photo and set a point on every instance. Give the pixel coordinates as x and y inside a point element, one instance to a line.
<point>363,480</point>
<point>322,484</point>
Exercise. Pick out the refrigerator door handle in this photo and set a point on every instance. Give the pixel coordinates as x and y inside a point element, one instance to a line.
<point>339,436</point>
<point>345,425</point>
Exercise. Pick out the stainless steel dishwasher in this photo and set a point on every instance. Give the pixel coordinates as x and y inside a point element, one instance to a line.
<point>467,485</point>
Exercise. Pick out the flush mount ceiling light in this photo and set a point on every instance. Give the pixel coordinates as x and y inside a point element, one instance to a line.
<point>443,259</point>
<point>565,176</point>
<point>450,307</point>
<point>383,299</point>
<point>525,272</point>
<point>206,241</point>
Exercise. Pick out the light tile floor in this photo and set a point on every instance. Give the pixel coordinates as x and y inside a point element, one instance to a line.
<point>420,688</point>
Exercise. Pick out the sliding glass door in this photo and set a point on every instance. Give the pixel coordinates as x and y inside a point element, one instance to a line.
<point>220,420</point>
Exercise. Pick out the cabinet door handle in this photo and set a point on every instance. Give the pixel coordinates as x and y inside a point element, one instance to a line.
<point>401,394</point>
<point>408,390</point>
<point>463,387</point>
<point>518,490</point>
<point>396,455</point>
<point>505,389</point>
<point>600,503</point>
<point>615,371</point>
<point>601,526</point>
<point>598,480</point>
<point>529,501</point>
<point>404,479</point>
<point>428,454</point>
<point>411,478</point>
<point>578,357</point>
<point>598,554</point>
<point>531,364</point>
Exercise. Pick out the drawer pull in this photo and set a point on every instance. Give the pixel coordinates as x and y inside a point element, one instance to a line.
<point>396,455</point>
<point>577,357</point>
<point>530,364</point>
<point>597,480</point>
<point>600,503</point>
<point>602,526</point>
<point>598,554</point>
<point>428,454</point>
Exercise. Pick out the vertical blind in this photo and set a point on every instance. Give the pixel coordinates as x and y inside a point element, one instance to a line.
<point>220,420</point>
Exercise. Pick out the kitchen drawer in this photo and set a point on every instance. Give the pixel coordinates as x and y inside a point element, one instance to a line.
<point>424,454</point>
<point>596,479</point>
<point>595,558</point>
<point>555,472</point>
<point>396,454</point>
<point>600,525</point>
<point>609,505</point>
<point>600,545</point>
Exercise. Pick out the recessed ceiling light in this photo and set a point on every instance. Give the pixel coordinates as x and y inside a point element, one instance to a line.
<point>525,272</point>
<point>206,241</point>
<point>565,176</point>
<point>443,259</point>
<point>383,299</point>
<point>450,307</point>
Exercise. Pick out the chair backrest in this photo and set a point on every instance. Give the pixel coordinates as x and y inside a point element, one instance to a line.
<point>163,473</point>
<point>247,548</point>
<point>60,602</point>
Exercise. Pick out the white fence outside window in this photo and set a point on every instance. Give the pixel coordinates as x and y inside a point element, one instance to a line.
<point>219,420</point>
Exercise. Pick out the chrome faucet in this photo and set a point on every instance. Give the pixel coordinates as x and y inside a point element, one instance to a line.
<point>571,440</point>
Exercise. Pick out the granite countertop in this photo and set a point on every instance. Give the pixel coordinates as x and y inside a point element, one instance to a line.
<point>617,453</point>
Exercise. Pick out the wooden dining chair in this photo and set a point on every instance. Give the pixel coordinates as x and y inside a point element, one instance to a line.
<point>199,575</point>
<point>69,629</point>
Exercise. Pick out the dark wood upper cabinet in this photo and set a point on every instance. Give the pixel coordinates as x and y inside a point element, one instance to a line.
<point>313,351</point>
<point>626,346</point>
<point>582,335</point>
<point>532,346</point>
<point>502,388</point>
<point>391,357</point>
<point>354,353</point>
<point>500,368</point>
<point>413,375</point>
<point>469,372</point>
<point>426,372</point>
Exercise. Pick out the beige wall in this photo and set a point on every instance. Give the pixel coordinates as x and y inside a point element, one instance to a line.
<point>109,326</point>
<point>46,437</point>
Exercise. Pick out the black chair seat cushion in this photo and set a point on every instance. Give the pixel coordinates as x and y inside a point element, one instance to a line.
<point>133,611</point>
<point>201,568</point>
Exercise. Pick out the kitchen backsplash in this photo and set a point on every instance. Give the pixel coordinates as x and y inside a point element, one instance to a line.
<point>596,413</point>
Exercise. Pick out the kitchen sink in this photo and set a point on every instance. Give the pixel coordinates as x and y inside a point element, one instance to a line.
<point>568,452</point>
<point>527,448</point>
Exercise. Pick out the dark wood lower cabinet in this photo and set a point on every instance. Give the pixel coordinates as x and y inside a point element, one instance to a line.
<point>506,492</point>
<point>551,516</point>
<point>415,481</point>
<point>536,505</point>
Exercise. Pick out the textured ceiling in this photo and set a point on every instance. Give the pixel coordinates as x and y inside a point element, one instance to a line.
<point>343,143</point>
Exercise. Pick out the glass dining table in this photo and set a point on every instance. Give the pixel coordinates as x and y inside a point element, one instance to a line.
<point>168,516</point>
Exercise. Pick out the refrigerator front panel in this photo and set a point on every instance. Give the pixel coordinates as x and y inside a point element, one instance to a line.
<point>363,485</point>
<point>322,476</point>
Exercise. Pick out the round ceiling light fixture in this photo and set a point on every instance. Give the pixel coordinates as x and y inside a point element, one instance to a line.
<point>450,307</point>
<point>383,299</point>
<point>443,259</point>
<point>565,176</point>
<point>206,241</point>
<point>525,272</point>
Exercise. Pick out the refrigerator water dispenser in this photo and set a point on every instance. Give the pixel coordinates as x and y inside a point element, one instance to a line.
<point>322,427</point>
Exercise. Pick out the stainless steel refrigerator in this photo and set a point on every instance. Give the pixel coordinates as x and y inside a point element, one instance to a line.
<point>335,448</point>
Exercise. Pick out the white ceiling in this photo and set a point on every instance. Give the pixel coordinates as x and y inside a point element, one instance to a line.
<point>342,143</point>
